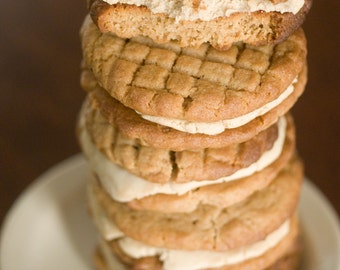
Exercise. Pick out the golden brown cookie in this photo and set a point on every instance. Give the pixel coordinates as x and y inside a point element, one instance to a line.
<point>196,85</point>
<point>106,146</point>
<point>291,261</point>
<point>163,165</point>
<point>223,195</point>
<point>133,126</point>
<point>207,227</point>
<point>199,22</point>
<point>284,256</point>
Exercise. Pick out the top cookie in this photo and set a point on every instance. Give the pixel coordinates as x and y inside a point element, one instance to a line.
<point>195,85</point>
<point>194,22</point>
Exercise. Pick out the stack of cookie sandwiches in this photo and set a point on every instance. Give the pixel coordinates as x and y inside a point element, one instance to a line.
<point>187,131</point>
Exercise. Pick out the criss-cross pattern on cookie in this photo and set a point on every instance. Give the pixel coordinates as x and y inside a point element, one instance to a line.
<point>201,84</point>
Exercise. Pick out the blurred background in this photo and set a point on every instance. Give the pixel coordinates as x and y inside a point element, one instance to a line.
<point>40,94</point>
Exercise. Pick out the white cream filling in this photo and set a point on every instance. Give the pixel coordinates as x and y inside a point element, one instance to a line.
<point>100,218</point>
<point>181,259</point>
<point>214,128</point>
<point>124,186</point>
<point>210,9</point>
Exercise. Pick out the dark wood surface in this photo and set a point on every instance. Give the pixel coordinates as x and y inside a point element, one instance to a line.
<point>40,94</point>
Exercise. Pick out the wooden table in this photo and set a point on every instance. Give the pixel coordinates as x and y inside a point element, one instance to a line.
<point>40,94</point>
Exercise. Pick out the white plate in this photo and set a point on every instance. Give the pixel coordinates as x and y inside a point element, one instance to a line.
<point>48,227</point>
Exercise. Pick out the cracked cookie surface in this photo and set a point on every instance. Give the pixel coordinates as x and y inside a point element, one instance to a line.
<point>163,165</point>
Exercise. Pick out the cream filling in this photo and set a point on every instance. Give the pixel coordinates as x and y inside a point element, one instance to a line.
<point>180,259</point>
<point>124,186</point>
<point>211,9</point>
<point>214,128</point>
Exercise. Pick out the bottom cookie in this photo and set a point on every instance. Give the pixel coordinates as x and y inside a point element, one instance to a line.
<point>288,262</point>
<point>284,256</point>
